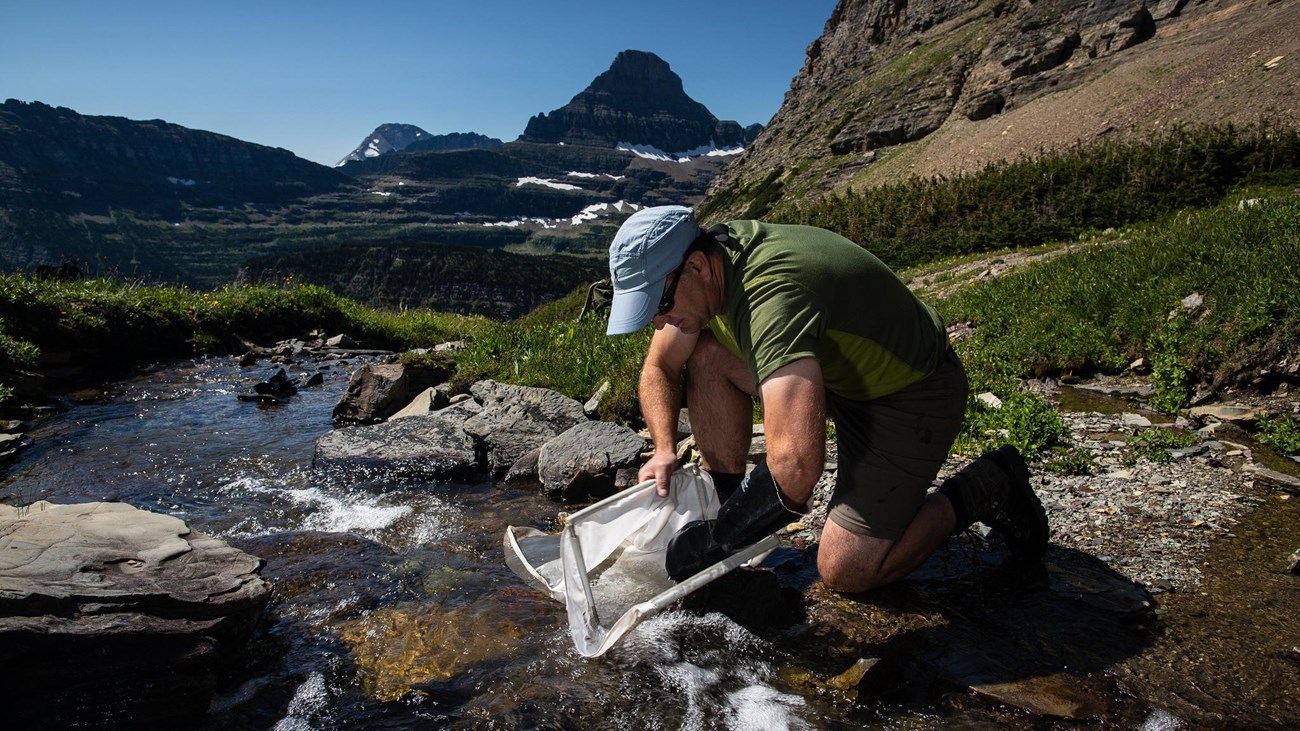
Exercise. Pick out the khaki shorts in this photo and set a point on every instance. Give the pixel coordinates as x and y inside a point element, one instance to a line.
<point>891,448</point>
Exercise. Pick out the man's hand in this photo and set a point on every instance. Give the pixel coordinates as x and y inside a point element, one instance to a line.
<point>660,468</point>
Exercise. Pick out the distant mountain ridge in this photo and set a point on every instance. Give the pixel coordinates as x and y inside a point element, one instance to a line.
<point>53,157</point>
<point>157,201</point>
<point>638,101</point>
<point>398,137</point>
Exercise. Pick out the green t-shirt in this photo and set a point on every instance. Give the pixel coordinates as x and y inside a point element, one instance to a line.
<point>796,292</point>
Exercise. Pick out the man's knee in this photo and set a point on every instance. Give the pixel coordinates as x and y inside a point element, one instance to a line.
<point>851,563</point>
<point>712,363</point>
<point>849,576</point>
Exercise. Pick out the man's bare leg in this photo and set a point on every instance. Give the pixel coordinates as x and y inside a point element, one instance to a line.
<point>719,394</point>
<point>850,562</point>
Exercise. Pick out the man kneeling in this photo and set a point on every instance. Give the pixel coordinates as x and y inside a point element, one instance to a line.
<point>815,326</point>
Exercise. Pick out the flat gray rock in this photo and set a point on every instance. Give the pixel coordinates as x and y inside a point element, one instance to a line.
<point>426,446</point>
<point>118,616</point>
<point>78,561</point>
<point>1226,412</point>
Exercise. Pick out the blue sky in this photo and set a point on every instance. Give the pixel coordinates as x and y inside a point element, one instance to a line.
<point>316,77</point>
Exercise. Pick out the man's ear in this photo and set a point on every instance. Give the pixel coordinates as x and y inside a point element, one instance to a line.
<point>699,262</point>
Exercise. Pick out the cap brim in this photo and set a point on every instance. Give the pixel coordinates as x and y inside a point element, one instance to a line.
<point>633,309</point>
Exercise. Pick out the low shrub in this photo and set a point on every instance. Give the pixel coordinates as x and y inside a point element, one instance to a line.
<point>1281,433</point>
<point>1153,444</point>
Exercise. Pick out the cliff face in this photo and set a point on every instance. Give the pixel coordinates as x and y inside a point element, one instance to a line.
<point>55,158</point>
<point>900,88</point>
<point>639,100</point>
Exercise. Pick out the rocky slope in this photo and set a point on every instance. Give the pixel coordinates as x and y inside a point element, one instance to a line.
<point>900,88</point>
<point>638,101</point>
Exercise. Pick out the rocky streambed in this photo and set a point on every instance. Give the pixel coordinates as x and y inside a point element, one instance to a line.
<point>1166,601</point>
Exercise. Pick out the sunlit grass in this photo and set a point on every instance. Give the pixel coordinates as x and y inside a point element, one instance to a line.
<point>1099,308</point>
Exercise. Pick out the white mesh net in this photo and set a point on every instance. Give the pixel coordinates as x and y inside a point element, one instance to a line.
<point>607,564</point>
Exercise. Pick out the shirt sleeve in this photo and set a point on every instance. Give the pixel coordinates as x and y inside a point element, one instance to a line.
<point>785,322</point>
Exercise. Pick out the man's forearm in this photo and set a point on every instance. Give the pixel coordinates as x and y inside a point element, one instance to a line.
<point>661,402</point>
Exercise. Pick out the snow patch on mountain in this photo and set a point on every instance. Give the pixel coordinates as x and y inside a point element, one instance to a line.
<point>546,182</point>
<point>590,213</point>
<point>650,152</point>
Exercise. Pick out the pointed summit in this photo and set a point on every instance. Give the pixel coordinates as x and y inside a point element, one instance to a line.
<point>639,101</point>
<point>386,138</point>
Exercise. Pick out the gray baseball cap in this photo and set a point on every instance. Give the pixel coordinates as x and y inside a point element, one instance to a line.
<point>647,248</point>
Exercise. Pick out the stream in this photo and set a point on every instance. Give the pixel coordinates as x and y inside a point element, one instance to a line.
<point>393,607</point>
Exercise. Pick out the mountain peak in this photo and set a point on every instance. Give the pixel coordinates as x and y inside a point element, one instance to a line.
<point>386,138</point>
<point>638,100</point>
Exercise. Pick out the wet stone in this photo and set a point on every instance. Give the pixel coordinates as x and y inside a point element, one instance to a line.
<point>327,575</point>
<point>108,612</point>
<point>517,419</point>
<point>429,446</point>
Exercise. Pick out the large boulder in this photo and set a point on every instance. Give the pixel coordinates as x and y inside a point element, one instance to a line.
<point>428,446</point>
<point>377,391</point>
<point>582,462</point>
<point>115,617</point>
<point>518,419</point>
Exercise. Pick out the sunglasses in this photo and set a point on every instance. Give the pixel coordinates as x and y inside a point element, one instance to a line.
<point>667,302</point>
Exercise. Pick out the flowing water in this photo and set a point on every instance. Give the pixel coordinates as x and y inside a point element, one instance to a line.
<point>393,607</point>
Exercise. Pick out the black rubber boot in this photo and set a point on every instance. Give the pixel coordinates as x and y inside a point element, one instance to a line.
<point>755,511</point>
<point>995,491</point>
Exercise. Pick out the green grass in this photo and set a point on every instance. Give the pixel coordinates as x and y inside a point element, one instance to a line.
<point>1098,308</point>
<point>549,348</point>
<point>102,321</point>
<point>1023,419</point>
<point>1281,433</point>
<point>1153,445</point>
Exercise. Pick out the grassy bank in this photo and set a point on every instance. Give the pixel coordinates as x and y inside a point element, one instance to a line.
<point>110,325</point>
<point>1210,297</point>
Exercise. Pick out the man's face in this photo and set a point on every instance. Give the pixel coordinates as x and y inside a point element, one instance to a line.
<point>683,304</point>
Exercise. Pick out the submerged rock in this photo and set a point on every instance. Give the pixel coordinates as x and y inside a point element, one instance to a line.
<point>428,446</point>
<point>111,616</point>
<point>327,574</point>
